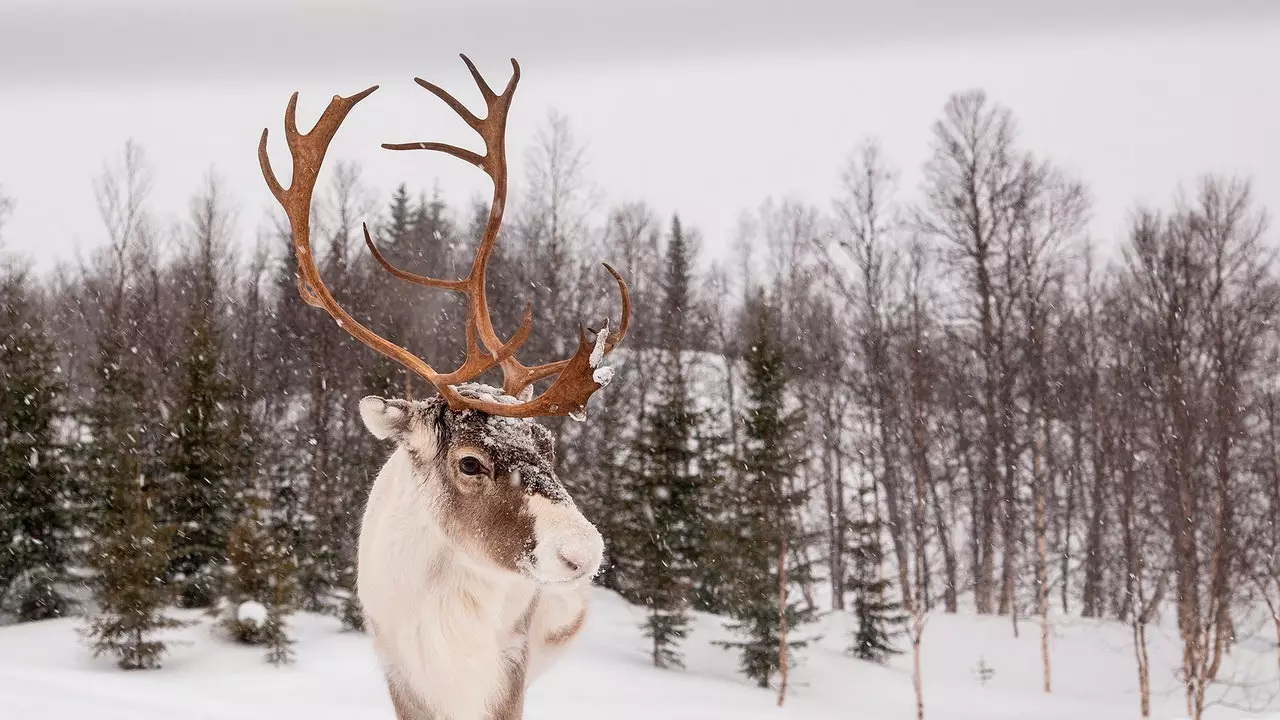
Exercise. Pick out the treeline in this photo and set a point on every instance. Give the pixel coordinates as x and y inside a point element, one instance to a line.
<point>905,402</point>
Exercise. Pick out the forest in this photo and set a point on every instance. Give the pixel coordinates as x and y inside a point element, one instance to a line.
<point>892,403</point>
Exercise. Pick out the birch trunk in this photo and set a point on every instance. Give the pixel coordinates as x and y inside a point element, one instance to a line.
<point>782,620</point>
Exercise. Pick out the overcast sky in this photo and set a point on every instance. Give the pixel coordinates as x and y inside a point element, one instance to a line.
<point>705,108</point>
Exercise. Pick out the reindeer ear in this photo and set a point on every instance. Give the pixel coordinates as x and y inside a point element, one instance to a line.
<point>384,418</point>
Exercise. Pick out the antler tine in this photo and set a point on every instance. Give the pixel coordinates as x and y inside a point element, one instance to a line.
<point>517,377</point>
<point>458,285</point>
<point>477,360</point>
<point>462,154</point>
<point>626,309</point>
<point>485,90</point>
<point>515,78</point>
<point>453,102</point>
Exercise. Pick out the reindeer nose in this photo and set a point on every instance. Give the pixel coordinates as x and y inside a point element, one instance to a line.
<point>573,558</point>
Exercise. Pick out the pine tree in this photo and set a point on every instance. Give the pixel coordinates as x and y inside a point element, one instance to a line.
<point>879,618</point>
<point>764,526</point>
<point>260,587</point>
<point>669,488</point>
<point>130,558</point>
<point>201,497</point>
<point>130,550</point>
<point>398,226</point>
<point>35,491</point>
<point>202,461</point>
<point>660,576</point>
<point>713,573</point>
<point>286,456</point>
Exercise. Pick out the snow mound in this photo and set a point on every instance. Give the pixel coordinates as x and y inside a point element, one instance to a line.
<point>252,612</point>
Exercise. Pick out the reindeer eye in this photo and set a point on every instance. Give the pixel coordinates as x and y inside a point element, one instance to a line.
<point>470,466</point>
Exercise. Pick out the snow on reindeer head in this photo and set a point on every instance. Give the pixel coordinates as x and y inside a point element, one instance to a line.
<point>490,486</point>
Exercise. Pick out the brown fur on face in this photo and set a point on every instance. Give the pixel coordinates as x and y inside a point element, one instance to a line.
<point>487,513</point>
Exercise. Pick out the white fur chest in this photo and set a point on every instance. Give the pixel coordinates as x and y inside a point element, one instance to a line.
<point>446,630</point>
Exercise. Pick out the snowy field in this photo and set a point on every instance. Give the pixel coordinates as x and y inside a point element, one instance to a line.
<point>45,672</point>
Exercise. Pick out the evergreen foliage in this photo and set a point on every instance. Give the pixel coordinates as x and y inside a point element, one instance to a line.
<point>33,509</point>
<point>201,494</point>
<point>129,558</point>
<point>879,618</point>
<point>670,483</point>
<point>764,527</point>
<point>130,549</point>
<point>202,502</point>
<point>261,570</point>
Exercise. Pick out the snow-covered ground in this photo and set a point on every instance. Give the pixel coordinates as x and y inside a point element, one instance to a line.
<point>46,672</point>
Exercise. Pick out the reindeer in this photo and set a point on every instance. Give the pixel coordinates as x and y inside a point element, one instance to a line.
<point>474,564</point>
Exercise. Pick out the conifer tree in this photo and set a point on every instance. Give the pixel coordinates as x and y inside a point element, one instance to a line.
<point>275,483</point>
<point>34,488</point>
<point>201,496</point>
<point>260,587</point>
<point>764,526</point>
<point>400,221</point>
<point>130,558</point>
<point>879,618</point>
<point>130,550</point>
<point>669,486</point>
<point>129,547</point>
<point>603,491</point>
<point>713,571</point>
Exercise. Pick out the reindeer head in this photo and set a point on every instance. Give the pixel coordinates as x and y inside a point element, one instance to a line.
<point>490,485</point>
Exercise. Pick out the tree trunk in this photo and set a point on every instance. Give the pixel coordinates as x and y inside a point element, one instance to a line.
<point>1275,617</point>
<point>892,482</point>
<point>917,681</point>
<point>1144,680</point>
<point>1042,556</point>
<point>1264,588</point>
<point>834,499</point>
<point>782,620</point>
<point>842,524</point>
<point>949,589</point>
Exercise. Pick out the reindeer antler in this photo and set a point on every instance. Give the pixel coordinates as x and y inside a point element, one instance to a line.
<point>575,378</point>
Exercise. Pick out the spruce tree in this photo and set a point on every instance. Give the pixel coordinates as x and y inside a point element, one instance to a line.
<point>660,575</point>
<point>260,587</point>
<point>34,490</point>
<point>764,526</point>
<point>129,559</point>
<point>400,221</point>
<point>669,486</point>
<point>713,572</point>
<point>603,490</point>
<point>277,483</point>
<point>202,461</point>
<point>201,494</point>
<point>129,549</point>
<point>879,618</point>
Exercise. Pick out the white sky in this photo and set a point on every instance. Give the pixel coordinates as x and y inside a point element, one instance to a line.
<point>705,108</point>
